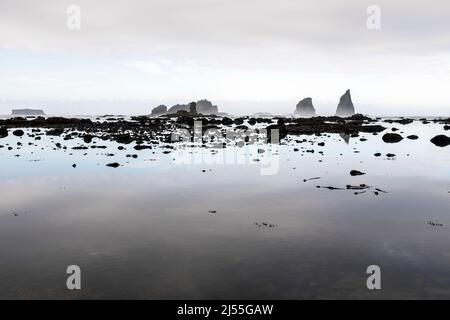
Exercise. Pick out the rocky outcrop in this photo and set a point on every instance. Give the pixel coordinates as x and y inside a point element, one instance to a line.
<point>345,107</point>
<point>28,112</point>
<point>159,110</point>
<point>178,107</point>
<point>305,108</point>
<point>206,107</point>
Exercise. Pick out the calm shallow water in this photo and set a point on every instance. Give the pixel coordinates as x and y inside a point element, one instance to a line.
<point>144,230</point>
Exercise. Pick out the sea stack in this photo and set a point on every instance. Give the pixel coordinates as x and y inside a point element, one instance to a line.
<point>206,107</point>
<point>193,108</point>
<point>202,106</point>
<point>305,108</point>
<point>345,107</point>
<point>159,110</point>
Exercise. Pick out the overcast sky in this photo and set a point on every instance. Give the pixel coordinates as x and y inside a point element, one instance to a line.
<point>246,55</point>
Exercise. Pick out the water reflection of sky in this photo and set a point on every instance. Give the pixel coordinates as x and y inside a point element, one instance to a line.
<point>144,230</point>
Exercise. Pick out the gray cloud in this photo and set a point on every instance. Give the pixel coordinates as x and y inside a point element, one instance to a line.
<point>407,25</point>
<point>220,49</point>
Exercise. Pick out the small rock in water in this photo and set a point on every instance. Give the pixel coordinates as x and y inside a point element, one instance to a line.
<point>392,138</point>
<point>354,173</point>
<point>390,155</point>
<point>88,138</point>
<point>441,140</point>
<point>18,133</point>
<point>113,165</point>
<point>329,188</point>
<point>315,178</point>
<point>265,225</point>
<point>435,223</point>
<point>74,165</point>
<point>413,137</point>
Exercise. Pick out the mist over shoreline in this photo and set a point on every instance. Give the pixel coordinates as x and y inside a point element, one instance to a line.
<point>238,108</point>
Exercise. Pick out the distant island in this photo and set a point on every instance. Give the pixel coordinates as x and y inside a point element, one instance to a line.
<point>28,112</point>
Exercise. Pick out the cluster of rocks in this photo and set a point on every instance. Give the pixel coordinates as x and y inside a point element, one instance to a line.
<point>203,107</point>
<point>145,129</point>
<point>345,107</point>
<point>439,140</point>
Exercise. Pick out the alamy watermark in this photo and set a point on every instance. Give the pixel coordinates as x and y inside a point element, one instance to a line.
<point>374,280</point>
<point>374,19</point>
<point>73,21</point>
<point>250,147</point>
<point>74,280</point>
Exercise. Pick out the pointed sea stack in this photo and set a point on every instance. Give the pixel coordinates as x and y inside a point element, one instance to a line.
<point>305,108</point>
<point>345,107</point>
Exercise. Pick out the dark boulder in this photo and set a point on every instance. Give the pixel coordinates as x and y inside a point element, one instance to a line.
<point>55,132</point>
<point>354,173</point>
<point>142,147</point>
<point>390,155</point>
<point>252,121</point>
<point>227,121</point>
<point>87,138</point>
<point>18,133</point>
<point>113,165</point>
<point>360,117</point>
<point>3,132</point>
<point>123,138</point>
<point>238,121</point>
<point>441,140</point>
<point>392,138</point>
